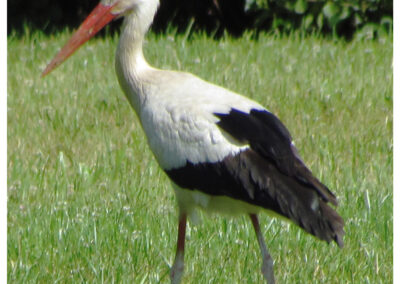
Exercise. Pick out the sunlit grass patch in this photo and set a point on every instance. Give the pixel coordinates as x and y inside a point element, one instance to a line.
<point>88,203</point>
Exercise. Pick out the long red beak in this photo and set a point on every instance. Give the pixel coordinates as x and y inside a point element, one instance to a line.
<point>98,18</point>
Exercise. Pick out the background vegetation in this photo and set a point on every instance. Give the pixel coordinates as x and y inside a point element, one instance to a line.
<point>86,199</point>
<point>87,202</point>
<point>346,18</point>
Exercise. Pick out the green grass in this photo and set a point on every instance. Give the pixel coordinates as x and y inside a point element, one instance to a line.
<point>88,203</point>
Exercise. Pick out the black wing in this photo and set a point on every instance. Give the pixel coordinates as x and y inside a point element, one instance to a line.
<point>267,136</point>
<point>269,174</point>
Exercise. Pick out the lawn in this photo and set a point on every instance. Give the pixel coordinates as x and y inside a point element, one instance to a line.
<point>88,203</point>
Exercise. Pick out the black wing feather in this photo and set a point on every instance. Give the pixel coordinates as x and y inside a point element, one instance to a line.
<point>267,135</point>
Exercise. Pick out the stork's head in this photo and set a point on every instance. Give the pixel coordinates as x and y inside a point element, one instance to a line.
<point>102,14</point>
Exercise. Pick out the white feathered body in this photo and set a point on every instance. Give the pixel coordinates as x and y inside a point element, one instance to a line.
<point>177,115</point>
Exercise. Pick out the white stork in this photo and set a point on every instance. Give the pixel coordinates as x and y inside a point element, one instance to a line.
<point>222,151</point>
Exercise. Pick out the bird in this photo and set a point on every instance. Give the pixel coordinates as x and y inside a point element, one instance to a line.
<point>222,151</point>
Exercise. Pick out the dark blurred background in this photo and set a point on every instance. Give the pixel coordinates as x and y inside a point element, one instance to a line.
<point>339,18</point>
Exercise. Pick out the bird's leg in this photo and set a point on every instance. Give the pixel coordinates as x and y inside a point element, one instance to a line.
<point>177,267</point>
<point>267,267</point>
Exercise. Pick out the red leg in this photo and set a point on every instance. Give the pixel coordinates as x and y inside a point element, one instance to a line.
<point>177,267</point>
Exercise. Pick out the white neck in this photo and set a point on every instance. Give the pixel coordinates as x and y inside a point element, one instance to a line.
<point>131,66</point>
